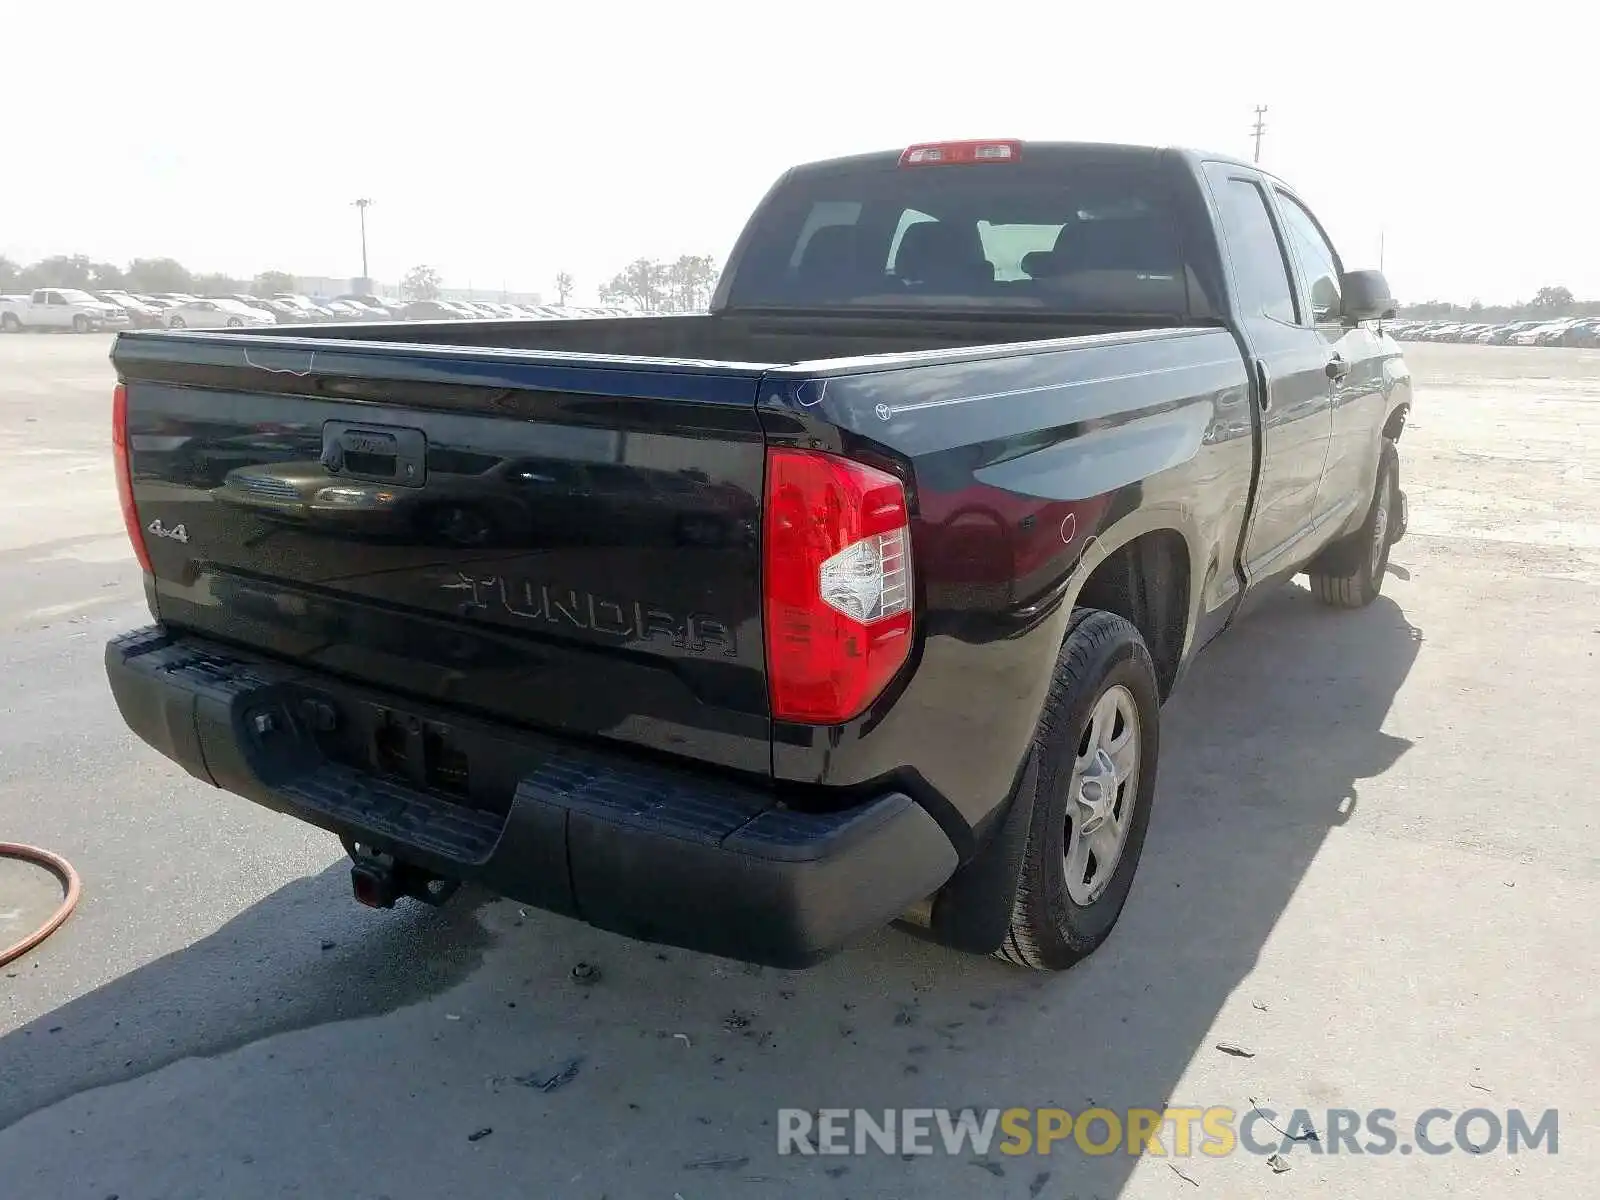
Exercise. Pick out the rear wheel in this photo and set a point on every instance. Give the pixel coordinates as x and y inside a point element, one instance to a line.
<point>1349,574</point>
<point>10,322</point>
<point>174,322</point>
<point>235,323</point>
<point>80,324</point>
<point>1096,745</point>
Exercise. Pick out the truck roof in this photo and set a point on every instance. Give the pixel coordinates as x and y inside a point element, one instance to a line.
<point>1051,149</point>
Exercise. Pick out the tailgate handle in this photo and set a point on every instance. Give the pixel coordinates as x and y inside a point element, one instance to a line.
<point>380,453</point>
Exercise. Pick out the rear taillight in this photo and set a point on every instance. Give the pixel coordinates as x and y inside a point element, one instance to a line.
<point>837,579</point>
<point>120,453</point>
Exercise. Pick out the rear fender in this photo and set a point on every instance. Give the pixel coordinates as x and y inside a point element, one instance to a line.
<point>1027,469</point>
<point>1397,392</point>
<point>1155,519</point>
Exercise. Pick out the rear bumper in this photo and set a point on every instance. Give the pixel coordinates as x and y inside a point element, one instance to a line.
<point>652,852</point>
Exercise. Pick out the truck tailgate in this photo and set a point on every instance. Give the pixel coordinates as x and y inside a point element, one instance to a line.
<point>564,542</point>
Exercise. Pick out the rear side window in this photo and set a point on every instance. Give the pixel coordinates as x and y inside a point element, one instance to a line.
<point>1260,271</point>
<point>1059,234</point>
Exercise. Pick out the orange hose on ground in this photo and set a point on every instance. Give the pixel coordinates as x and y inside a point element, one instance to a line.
<point>63,871</point>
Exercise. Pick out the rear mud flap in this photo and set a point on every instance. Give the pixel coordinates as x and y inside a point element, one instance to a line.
<point>1402,517</point>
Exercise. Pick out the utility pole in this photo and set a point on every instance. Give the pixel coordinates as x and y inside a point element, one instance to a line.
<point>1260,128</point>
<point>362,205</point>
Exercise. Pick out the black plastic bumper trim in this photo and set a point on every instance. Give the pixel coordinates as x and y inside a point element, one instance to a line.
<point>655,852</point>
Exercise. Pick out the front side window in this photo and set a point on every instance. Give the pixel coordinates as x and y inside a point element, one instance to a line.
<point>1319,265</point>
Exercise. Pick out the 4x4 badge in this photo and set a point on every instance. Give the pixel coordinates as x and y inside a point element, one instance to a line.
<point>177,533</point>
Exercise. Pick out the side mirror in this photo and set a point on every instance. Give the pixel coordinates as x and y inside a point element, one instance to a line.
<point>1366,297</point>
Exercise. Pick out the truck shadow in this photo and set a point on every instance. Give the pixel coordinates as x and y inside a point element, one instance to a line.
<point>686,1060</point>
<point>302,956</point>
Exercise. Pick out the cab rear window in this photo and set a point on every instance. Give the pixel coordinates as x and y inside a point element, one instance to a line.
<point>1090,238</point>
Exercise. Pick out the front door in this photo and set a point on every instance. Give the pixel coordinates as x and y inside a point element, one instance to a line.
<point>1356,363</point>
<point>1293,391</point>
<point>50,309</point>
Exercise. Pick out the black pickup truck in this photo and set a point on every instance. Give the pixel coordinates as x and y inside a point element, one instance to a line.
<point>852,600</point>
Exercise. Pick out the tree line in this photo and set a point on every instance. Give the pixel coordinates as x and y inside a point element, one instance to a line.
<point>649,285</point>
<point>141,275</point>
<point>1547,303</point>
<point>682,285</point>
<point>169,275</point>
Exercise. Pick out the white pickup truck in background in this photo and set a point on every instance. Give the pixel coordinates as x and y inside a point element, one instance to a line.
<point>59,308</point>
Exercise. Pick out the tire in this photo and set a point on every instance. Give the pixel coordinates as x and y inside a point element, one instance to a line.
<point>1057,920</point>
<point>10,322</point>
<point>1349,574</point>
<point>235,323</point>
<point>80,324</point>
<point>175,323</point>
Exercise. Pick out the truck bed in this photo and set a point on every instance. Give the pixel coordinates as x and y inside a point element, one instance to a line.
<point>775,339</point>
<point>537,531</point>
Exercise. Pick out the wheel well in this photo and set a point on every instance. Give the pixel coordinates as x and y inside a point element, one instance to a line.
<point>1147,582</point>
<point>1395,425</point>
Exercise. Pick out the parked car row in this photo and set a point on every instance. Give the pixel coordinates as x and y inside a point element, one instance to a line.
<point>86,312</point>
<point>1568,331</point>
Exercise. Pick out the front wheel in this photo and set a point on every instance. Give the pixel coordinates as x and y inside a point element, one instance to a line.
<point>1349,574</point>
<point>1096,746</point>
<point>174,322</point>
<point>235,323</point>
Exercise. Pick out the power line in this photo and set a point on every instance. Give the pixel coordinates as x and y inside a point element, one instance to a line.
<point>1260,128</point>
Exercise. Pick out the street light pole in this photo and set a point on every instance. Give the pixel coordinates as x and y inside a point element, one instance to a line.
<point>362,205</point>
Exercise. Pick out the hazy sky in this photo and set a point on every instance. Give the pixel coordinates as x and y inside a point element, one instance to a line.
<point>504,142</point>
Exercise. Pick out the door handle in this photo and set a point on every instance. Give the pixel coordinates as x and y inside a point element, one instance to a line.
<point>1263,385</point>
<point>1337,368</point>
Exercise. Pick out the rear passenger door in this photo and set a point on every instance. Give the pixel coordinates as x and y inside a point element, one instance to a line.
<point>1289,360</point>
<point>1355,362</point>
